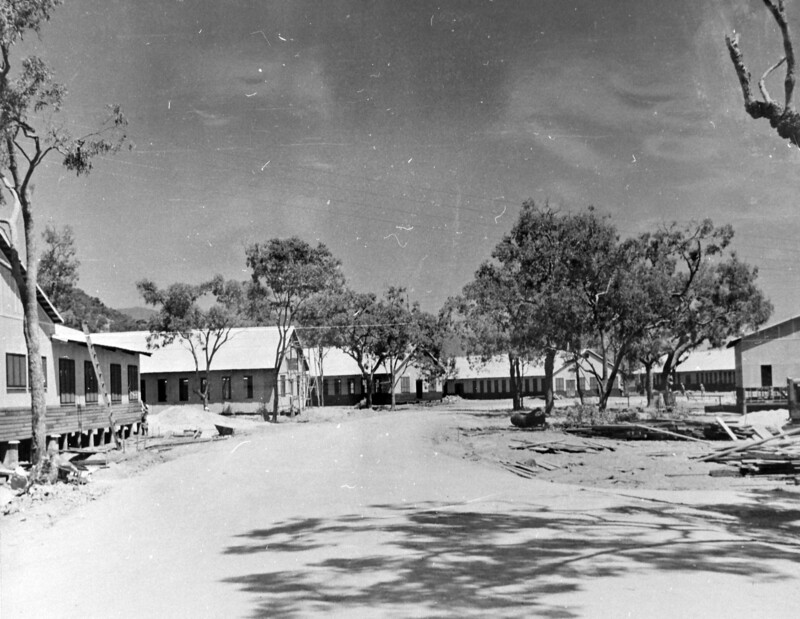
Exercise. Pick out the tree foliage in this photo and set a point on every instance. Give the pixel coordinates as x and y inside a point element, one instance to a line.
<point>287,274</point>
<point>30,132</point>
<point>706,294</point>
<point>185,316</point>
<point>563,281</point>
<point>58,264</point>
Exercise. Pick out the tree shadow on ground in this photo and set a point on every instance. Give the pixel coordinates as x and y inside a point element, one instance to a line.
<point>438,559</point>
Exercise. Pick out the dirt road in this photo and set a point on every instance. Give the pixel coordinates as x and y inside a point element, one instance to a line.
<point>378,517</point>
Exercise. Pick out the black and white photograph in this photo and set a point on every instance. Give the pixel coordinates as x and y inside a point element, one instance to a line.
<point>399,308</point>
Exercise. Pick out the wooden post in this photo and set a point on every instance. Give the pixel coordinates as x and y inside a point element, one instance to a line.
<point>792,388</point>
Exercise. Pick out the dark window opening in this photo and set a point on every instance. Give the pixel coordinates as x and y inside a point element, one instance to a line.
<point>162,389</point>
<point>116,382</point>
<point>248,387</point>
<point>89,383</point>
<point>66,380</point>
<point>133,383</point>
<point>183,389</point>
<point>766,376</point>
<point>226,387</point>
<point>16,371</point>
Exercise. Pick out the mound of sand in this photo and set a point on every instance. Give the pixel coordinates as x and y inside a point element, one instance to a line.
<point>775,418</point>
<point>178,419</point>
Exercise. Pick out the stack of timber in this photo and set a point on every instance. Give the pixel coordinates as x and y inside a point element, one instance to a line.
<point>525,470</point>
<point>560,446</point>
<point>663,429</point>
<point>773,455</point>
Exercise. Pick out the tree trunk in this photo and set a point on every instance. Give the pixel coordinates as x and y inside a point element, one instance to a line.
<point>513,363</point>
<point>609,384</point>
<point>391,387</point>
<point>30,305</point>
<point>648,385</point>
<point>370,381</point>
<point>321,378</point>
<point>549,365</point>
<point>275,395</point>
<point>666,370</point>
<point>578,386</point>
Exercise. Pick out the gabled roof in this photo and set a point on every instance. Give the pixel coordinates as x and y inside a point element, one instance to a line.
<point>67,334</point>
<point>44,301</point>
<point>771,331</point>
<point>709,361</point>
<point>247,348</point>
<point>713,360</point>
<point>336,362</point>
<point>473,368</point>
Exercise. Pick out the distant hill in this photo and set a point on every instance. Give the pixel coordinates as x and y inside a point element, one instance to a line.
<point>138,313</point>
<point>81,306</point>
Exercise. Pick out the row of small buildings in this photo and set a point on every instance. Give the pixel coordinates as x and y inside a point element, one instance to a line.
<point>243,374</point>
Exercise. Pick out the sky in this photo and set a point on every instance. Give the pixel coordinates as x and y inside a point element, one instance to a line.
<point>406,135</point>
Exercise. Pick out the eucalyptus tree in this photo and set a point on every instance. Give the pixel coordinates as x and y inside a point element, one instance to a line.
<point>711,295</point>
<point>360,327</point>
<point>185,316</point>
<point>58,265</point>
<point>31,132</point>
<point>286,275</point>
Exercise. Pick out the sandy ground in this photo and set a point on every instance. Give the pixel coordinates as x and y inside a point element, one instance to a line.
<point>346,513</point>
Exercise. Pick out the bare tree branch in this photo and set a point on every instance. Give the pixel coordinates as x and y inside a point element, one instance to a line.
<point>782,117</point>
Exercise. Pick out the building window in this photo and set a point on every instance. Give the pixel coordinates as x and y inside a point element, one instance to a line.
<point>474,386</point>
<point>226,387</point>
<point>204,387</point>
<point>482,386</point>
<point>133,383</point>
<point>66,380</point>
<point>143,388</point>
<point>116,382</point>
<point>337,386</point>
<point>162,389</point>
<point>503,386</point>
<point>559,384</point>
<point>351,386</point>
<point>405,384</point>
<point>248,387</point>
<point>328,387</point>
<point>282,385</point>
<point>16,371</point>
<point>183,389</point>
<point>496,386</point>
<point>89,383</point>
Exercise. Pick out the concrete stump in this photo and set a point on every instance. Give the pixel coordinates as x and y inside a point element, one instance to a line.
<point>11,457</point>
<point>53,442</point>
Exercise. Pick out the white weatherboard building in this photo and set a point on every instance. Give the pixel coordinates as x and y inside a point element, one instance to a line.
<point>242,372</point>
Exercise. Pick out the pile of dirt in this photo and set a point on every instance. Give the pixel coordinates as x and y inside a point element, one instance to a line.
<point>772,419</point>
<point>182,419</point>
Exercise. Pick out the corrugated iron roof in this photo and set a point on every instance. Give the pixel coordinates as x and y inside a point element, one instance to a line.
<point>68,334</point>
<point>247,348</point>
<point>709,361</point>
